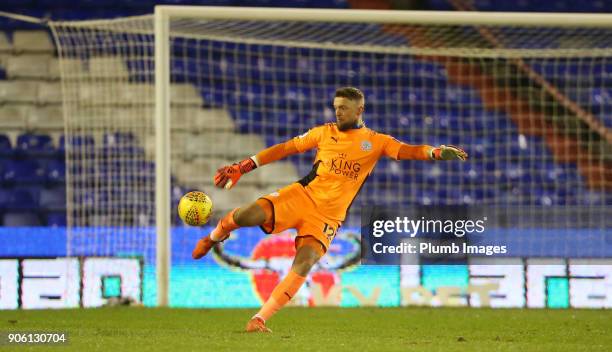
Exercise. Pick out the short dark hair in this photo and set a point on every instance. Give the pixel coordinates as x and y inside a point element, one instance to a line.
<point>350,93</point>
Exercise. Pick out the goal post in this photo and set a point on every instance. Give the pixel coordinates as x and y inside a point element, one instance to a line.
<point>165,14</point>
<point>524,93</point>
<point>162,154</point>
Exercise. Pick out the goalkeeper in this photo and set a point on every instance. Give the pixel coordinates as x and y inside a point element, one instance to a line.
<point>316,205</point>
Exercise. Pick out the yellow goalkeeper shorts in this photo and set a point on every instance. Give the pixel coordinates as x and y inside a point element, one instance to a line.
<point>293,209</point>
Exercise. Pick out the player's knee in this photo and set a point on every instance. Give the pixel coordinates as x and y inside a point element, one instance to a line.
<point>250,215</point>
<point>302,268</point>
<point>305,259</point>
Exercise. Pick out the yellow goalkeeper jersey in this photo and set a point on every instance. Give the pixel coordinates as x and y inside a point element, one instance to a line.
<point>343,162</point>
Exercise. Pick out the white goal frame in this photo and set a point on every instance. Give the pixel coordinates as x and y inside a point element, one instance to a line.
<point>164,14</point>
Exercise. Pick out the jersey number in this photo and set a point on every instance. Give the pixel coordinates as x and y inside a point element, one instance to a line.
<point>329,231</point>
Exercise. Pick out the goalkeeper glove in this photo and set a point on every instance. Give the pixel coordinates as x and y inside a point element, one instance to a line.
<point>448,152</point>
<point>227,176</point>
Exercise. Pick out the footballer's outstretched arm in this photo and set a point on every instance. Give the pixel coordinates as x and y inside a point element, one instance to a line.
<point>427,152</point>
<point>228,176</point>
<point>276,152</point>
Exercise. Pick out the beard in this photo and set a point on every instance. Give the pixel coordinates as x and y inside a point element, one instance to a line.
<point>347,125</point>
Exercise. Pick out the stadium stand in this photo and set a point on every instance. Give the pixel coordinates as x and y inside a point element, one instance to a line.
<point>32,147</point>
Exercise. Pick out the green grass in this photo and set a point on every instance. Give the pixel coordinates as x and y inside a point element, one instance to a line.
<point>318,329</point>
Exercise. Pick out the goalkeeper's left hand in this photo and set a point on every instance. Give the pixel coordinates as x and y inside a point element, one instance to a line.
<point>448,152</point>
<point>227,176</point>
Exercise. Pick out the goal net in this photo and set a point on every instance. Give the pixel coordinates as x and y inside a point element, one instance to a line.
<point>530,104</point>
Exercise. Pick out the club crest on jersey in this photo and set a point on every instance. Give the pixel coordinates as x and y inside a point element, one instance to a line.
<point>366,146</point>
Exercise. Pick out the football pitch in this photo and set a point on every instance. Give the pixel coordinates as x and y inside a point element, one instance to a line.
<point>318,329</point>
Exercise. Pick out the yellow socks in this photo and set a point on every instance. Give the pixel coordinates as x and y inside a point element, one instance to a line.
<point>224,227</point>
<point>282,294</point>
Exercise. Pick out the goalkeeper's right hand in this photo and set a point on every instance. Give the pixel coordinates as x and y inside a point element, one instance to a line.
<point>227,176</point>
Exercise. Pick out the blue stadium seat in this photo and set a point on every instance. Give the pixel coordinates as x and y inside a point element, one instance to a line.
<point>20,219</point>
<point>34,145</point>
<point>129,152</point>
<point>478,194</point>
<point>56,219</point>
<point>55,171</point>
<point>117,139</point>
<point>79,144</point>
<point>426,197</point>
<point>146,171</point>
<point>24,198</point>
<point>27,171</point>
<point>544,197</point>
<point>5,196</point>
<point>590,198</point>
<point>2,167</point>
<point>5,146</point>
<point>53,199</point>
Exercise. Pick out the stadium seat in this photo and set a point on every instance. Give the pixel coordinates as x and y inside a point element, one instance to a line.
<point>206,144</point>
<point>81,145</point>
<point>106,67</point>
<point>476,195</point>
<point>27,66</point>
<point>141,70</point>
<point>55,172</point>
<point>201,171</point>
<point>73,68</point>
<point>6,46</point>
<point>13,117</point>
<point>277,174</point>
<point>130,154</point>
<point>26,171</point>
<point>33,145</point>
<point>119,139</point>
<point>56,219</point>
<point>18,92</point>
<point>53,199</point>
<point>5,147</point>
<point>5,196</point>
<point>20,219</point>
<point>198,119</point>
<point>49,93</point>
<point>225,201</point>
<point>590,198</point>
<point>32,41</point>
<point>185,94</point>
<point>45,118</point>
<point>90,93</point>
<point>24,198</point>
<point>54,69</point>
